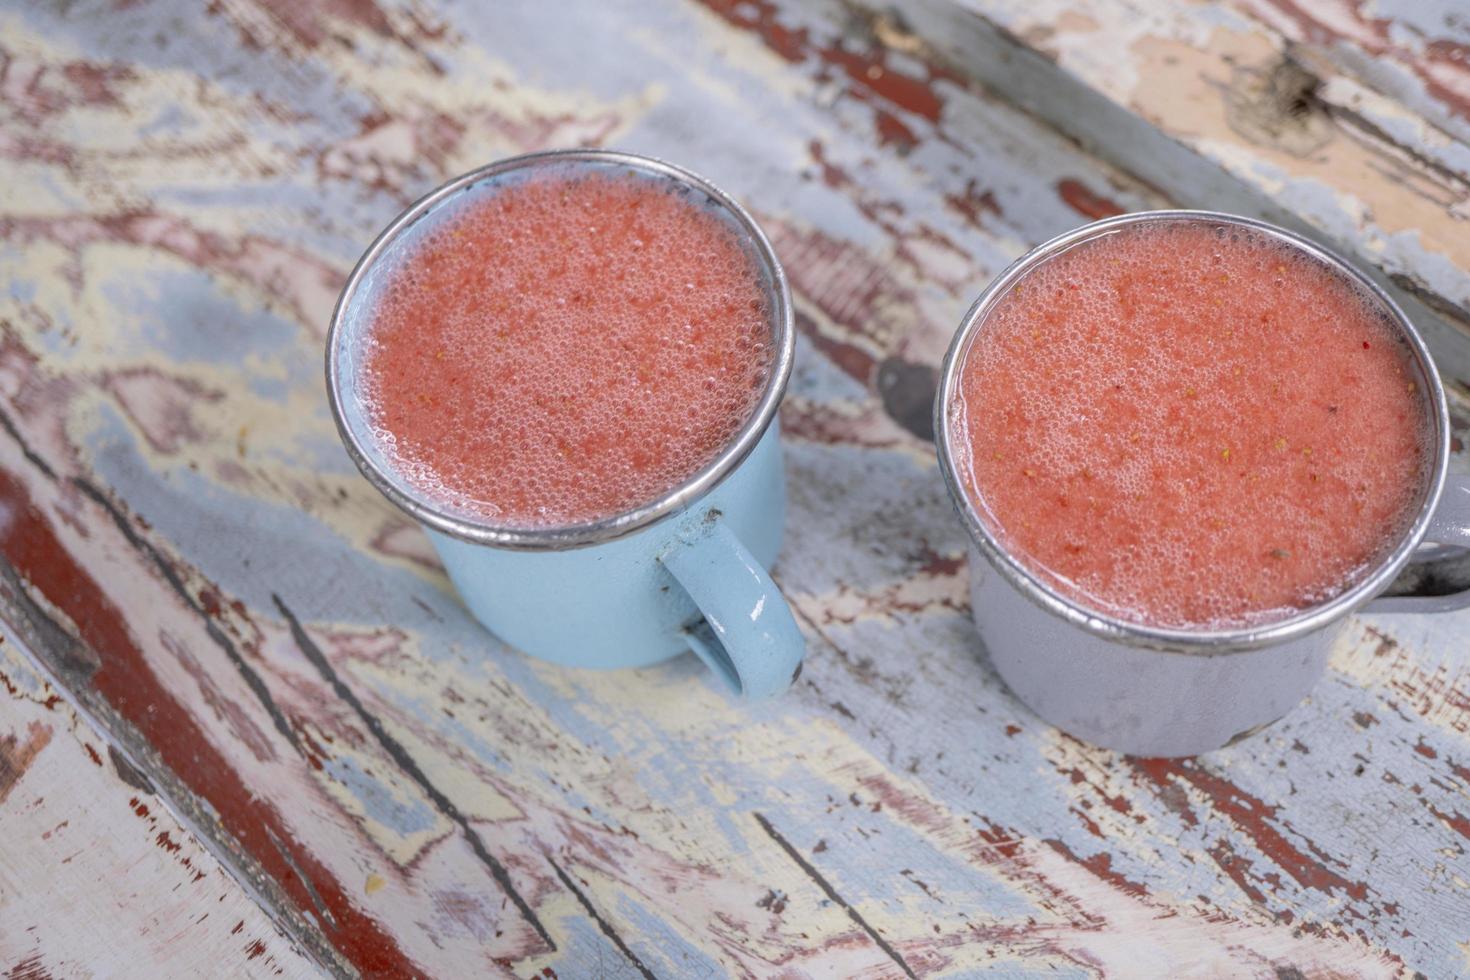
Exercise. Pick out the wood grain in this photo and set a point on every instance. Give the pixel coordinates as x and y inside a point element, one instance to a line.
<point>1341,118</point>
<point>97,878</point>
<point>188,550</point>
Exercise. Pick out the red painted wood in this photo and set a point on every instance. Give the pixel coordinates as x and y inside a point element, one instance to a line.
<point>187,550</point>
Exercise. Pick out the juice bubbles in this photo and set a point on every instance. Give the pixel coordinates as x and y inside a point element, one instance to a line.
<point>1190,426</point>
<point>565,348</point>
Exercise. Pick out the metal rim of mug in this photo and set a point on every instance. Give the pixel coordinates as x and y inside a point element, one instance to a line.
<point>606,529</point>
<point>1197,642</point>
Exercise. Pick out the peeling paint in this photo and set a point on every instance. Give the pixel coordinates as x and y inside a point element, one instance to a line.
<point>189,551</point>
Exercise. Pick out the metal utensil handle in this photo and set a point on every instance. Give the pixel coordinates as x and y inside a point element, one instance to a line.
<point>1449,529</point>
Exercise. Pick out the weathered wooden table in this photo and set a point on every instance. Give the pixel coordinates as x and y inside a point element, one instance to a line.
<point>245,726</point>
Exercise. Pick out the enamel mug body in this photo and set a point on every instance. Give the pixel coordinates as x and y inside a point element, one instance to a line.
<point>1171,692</point>
<point>684,572</point>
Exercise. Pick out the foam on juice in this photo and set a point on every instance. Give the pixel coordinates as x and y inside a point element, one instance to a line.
<point>1192,427</point>
<point>565,348</point>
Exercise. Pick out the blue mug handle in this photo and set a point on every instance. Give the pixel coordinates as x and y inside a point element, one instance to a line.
<point>747,635</point>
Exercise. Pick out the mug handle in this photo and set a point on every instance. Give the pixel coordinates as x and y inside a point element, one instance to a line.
<point>1449,526</point>
<point>747,635</point>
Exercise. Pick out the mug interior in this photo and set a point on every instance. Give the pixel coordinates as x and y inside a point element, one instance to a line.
<point>347,345</point>
<point>1102,622</point>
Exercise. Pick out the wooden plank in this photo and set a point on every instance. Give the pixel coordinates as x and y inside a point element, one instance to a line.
<point>1343,123</point>
<point>190,552</point>
<point>97,878</point>
<point>1412,53</point>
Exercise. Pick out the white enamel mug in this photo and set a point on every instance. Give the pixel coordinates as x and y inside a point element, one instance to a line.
<point>1154,691</point>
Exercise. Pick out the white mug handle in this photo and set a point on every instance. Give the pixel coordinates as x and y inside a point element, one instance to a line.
<point>1448,537</point>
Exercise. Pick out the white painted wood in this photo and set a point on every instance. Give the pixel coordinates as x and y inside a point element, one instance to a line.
<point>97,878</point>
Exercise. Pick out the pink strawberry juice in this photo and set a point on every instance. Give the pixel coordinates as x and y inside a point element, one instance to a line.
<point>1192,428</point>
<point>566,348</point>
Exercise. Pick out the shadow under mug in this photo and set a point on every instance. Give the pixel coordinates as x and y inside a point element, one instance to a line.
<point>1152,691</point>
<point>684,572</point>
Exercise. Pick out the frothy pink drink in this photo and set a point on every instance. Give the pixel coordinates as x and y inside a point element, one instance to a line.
<point>1192,427</point>
<point>566,348</point>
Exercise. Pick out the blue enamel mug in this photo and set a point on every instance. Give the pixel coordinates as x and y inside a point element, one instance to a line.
<point>684,572</point>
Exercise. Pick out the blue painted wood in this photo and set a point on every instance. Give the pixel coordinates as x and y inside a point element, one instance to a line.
<point>189,550</point>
